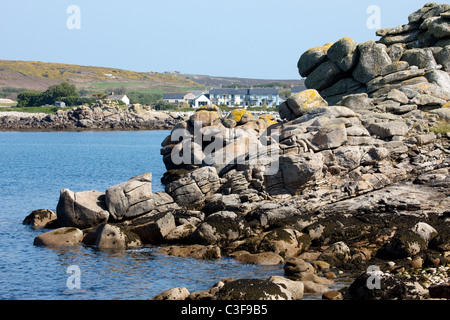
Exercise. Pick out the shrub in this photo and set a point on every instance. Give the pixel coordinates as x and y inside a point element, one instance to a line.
<point>69,101</point>
<point>29,98</point>
<point>442,127</point>
<point>144,98</point>
<point>163,105</point>
<point>56,92</point>
<point>61,92</point>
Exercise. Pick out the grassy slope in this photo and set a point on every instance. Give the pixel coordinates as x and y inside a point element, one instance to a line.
<point>34,109</point>
<point>38,75</point>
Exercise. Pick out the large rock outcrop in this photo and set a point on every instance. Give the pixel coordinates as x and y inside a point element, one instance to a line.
<point>126,215</point>
<point>134,198</point>
<point>99,116</point>
<point>81,209</point>
<point>414,54</point>
<point>355,173</point>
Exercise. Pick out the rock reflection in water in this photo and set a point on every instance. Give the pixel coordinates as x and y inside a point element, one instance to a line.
<point>141,274</point>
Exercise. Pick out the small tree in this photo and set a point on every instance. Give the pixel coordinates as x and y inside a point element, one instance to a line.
<point>121,90</point>
<point>163,105</point>
<point>58,91</point>
<point>29,98</point>
<point>69,101</point>
<point>100,95</point>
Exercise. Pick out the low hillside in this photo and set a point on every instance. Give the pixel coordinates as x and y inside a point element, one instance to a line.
<point>215,81</point>
<point>40,75</point>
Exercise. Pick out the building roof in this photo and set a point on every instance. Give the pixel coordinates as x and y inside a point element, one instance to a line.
<point>244,91</point>
<point>174,96</point>
<point>202,95</point>
<point>263,91</point>
<point>297,89</point>
<point>116,96</point>
<point>198,92</point>
<point>228,91</point>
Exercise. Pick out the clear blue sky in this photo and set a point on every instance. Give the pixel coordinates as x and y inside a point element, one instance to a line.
<point>242,38</point>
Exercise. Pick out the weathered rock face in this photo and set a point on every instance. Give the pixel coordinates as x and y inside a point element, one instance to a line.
<point>220,228</point>
<point>336,254</point>
<point>42,218</point>
<point>191,190</point>
<point>298,171</point>
<point>312,58</point>
<point>192,251</point>
<point>301,103</point>
<point>107,236</point>
<point>240,116</point>
<point>152,228</point>
<point>222,143</point>
<point>82,209</point>
<point>61,237</point>
<point>285,242</point>
<point>373,58</point>
<point>122,199</point>
<point>360,161</point>
<point>296,267</point>
<point>405,243</point>
<point>99,116</point>
<point>348,182</point>
<point>140,216</point>
<point>173,294</point>
<point>256,289</point>
<point>401,57</point>
<point>273,288</point>
<point>263,258</point>
<point>377,286</point>
<point>409,242</point>
<point>134,198</point>
<point>206,117</point>
<point>344,53</point>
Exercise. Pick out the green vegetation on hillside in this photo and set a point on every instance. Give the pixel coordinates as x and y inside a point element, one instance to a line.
<point>10,93</point>
<point>144,98</point>
<point>442,127</point>
<point>141,87</point>
<point>35,109</point>
<point>283,85</point>
<point>146,88</point>
<point>61,92</point>
<point>66,72</point>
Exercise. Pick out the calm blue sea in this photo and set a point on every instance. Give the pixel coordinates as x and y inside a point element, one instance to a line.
<point>34,166</point>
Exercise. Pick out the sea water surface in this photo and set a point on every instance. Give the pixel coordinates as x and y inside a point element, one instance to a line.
<point>34,166</point>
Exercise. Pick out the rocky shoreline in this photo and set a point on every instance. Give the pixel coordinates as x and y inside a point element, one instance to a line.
<point>354,182</point>
<point>100,116</point>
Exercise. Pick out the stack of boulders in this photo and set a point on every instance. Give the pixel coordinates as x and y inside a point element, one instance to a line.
<point>411,58</point>
<point>125,215</point>
<point>206,127</point>
<point>99,116</point>
<point>329,187</point>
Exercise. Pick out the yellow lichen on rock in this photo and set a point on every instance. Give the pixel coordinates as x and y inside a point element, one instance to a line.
<point>210,107</point>
<point>305,101</point>
<point>269,118</point>
<point>323,48</point>
<point>205,117</point>
<point>241,116</point>
<point>264,122</point>
<point>237,114</point>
